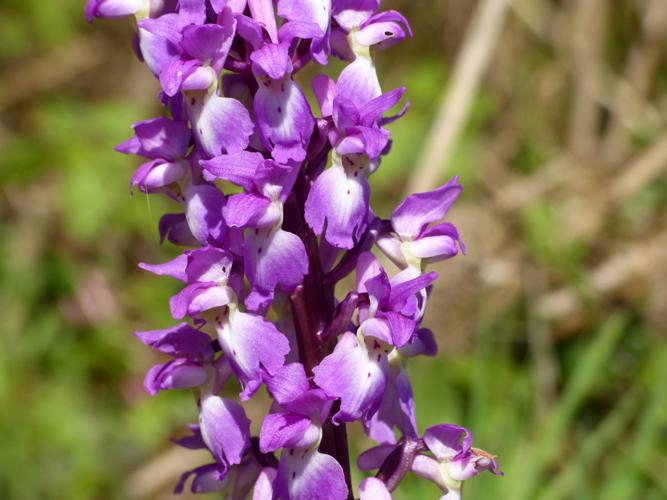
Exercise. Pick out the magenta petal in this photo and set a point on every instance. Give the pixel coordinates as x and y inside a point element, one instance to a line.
<point>312,11</point>
<point>197,298</point>
<point>192,11</point>
<point>372,488</point>
<point>358,82</point>
<point>224,428</point>
<point>423,343</point>
<point>356,375</point>
<point>220,124</point>
<point>284,119</point>
<point>210,42</point>
<point>250,210</point>
<point>272,61</point>
<point>397,409</point>
<point>209,264</point>
<point>338,202</point>
<point>306,475</point>
<point>174,268</point>
<point>264,485</point>
<point>381,34</point>
<point>373,458</point>
<point>291,390</point>
<point>203,211</point>
<point>288,383</point>
<point>351,14</point>
<point>262,12</point>
<point>180,341</point>
<point>286,430</point>
<point>177,374</point>
<point>175,229</point>
<point>207,479</point>
<point>420,209</point>
<point>162,138</point>
<point>254,346</point>
<point>428,468</point>
<point>324,89</point>
<point>112,8</point>
<point>238,168</point>
<point>274,258</point>
<point>444,440</point>
<point>158,42</point>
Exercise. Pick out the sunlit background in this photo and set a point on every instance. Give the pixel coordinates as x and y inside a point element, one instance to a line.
<point>552,328</point>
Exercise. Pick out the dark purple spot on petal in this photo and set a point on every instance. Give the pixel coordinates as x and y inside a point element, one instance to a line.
<point>388,33</point>
<point>379,357</point>
<point>280,110</point>
<point>193,100</point>
<point>259,251</point>
<point>369,374</point>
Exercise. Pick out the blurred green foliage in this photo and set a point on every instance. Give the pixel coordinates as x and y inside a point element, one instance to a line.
<point>74,421</point>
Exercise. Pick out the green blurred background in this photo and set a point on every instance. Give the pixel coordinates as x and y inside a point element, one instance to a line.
<point>552,328</point>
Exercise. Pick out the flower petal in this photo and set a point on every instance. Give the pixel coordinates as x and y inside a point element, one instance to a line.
<point>372,488</point>
<point>224,428</point>
<point>305,475</point>
<point>444,440</point>
<point>354,374</point>
<point>337,205</point>
<point>274,258</point>
<point>180,341</point>
<point>284,119</point>
<point>420,209</point>
<point>287,430</point>
<point>220,124</point>
<point>254,346</point>
<point>238,168</point>
<point>203,210</point>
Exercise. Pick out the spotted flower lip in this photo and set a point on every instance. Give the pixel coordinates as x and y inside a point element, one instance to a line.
<point>270,202</point>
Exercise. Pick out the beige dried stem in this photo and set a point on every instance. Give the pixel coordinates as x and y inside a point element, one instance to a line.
<point>640,67</point>
<point>480,40</point>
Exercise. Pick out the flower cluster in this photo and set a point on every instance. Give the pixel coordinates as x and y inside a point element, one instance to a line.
<point>272,204</point>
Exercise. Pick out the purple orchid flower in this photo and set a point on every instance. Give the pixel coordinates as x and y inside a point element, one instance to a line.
<point>272,257</point>
<point>358,369</point>
<point>303,472</point>
<point>358,138</point>
<point>232,481</point>
<point>275,204</point>
<point>453,459</point>
<point>284,118</point>
<point>415,243</point>
<point>192,353</point>
<point>254,346</point>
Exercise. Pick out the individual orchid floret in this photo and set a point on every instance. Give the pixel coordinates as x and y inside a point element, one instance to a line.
<point>272,257</point>
<point>165,142</point>
<point>254,346</point>
<point>361,27</point>
<point>303,472</point>
<point>358,369</point>
<point>413,242</point>
<point>454,459</point>
<point>232,481</point>
<point>283,115</point>
<point>193,356</point>
<point>311,11</point>
<point>358,140</point>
